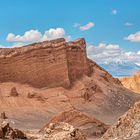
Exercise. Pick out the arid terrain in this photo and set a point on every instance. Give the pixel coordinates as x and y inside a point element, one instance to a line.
<point>55,82</point>
<point>127,127</point>
<point>132,82</point>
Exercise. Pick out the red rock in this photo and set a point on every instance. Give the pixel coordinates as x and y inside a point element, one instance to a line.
<point>7,132</point>
<point>132,82</point>
<point>88,125</point>
<point>3,115</point>
<point>47,64</point>
<point>1,133</point>
<point>14,92</point>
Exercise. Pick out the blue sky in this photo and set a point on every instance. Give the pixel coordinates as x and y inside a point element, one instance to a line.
<point>108,22</point>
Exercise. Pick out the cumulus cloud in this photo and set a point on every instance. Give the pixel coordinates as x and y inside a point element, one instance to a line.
<point>55,33</point>
<point>111,53</point>
<point>84,27</point>
<point>138,52</point>
<point>114,12</point>
<point>134,37</point>
<point>29,36</point>
<point>128,24</point>
<point>36,36</point>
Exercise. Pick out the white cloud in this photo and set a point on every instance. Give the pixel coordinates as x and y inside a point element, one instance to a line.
<point>111,53</point>
<point>133,37</point>
<point>128,24</point>
<point>114,12</point>
<point>84,27</point>
<point>36,36</point>
<point>55,33</point>
<point>29,36</point>
<point>138,52</point>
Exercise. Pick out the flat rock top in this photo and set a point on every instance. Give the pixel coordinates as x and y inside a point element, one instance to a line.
<point>8,52</point>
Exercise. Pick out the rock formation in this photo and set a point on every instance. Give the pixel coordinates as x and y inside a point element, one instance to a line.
<point>14,92</point>
<point>76,82</point>
<point>6,132</point>
<point>47,64</point>
<point>127,127</point>
<point>3,116</point>
<point>62,131</point>
<point>88,126</point>
<point>132,82</point>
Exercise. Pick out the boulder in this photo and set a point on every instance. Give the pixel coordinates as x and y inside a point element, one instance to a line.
<point>1,133</point>
<point>9,133</point>
<point>62,131</point>
<point>14,92</point>
<point>3,115</point>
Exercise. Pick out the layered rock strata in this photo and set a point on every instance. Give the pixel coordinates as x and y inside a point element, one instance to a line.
<point>46,64</point>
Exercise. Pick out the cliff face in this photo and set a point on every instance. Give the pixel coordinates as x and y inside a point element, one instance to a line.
<point>47,64</point>
<point>94,92</point>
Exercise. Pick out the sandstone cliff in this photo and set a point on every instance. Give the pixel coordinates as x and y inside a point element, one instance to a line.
<point>132,82</point>
<point>27,73</point>
<point>46,64</point>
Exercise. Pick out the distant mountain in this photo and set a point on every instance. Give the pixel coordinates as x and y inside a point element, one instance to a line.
<point>121,69</point>
<point>132,82</point>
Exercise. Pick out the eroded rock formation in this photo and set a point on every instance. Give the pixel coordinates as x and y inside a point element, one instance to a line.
<point>62,131</point>
<point>127,127</point>
<point>89,126</point>
<point>6,132</point>
<point>32,69</point>
<point>47,64</point>
<point>132,82</point>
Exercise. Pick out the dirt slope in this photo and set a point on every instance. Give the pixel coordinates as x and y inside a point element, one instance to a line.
<point>92,91</point>
<point>100,96</point>
<point>127,127</point>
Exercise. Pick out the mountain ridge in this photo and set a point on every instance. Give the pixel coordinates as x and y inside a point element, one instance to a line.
<point>92,90</point>
<point>132,82</point>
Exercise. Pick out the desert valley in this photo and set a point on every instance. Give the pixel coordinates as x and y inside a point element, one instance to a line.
<point>69,70</point>
<point>52,91</point>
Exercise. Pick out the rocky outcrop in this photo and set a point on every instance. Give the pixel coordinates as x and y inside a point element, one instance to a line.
<point>127,127</point>
<point>34,68</point>
<point>6,132</point>
<point>62,131</point>
<point>132,82</point>
<point>14,92</point>
<point>89,126</point>
<point>46,64</point>
<point>3,116</point>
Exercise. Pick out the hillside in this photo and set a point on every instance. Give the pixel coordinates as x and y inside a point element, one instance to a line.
<point>132,82</point>
<point>127,127</point>
<point>42,80</point>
